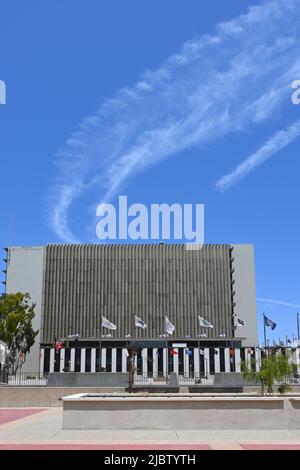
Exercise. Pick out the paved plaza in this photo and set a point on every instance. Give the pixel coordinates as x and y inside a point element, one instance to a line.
<point>40,428</point>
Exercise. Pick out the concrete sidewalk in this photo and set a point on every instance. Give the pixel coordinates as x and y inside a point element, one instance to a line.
<point>41,428</point>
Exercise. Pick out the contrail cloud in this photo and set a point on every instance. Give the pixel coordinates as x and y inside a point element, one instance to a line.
<point>278,302</point>
<point>221,84</point>
<point>279,141</point>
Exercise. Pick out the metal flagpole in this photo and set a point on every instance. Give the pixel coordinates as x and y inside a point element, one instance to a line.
<point>199,355</point>
<point>265,332</point>
<point>167,356</point>
<point>298,328</point>
<point>100,367</point>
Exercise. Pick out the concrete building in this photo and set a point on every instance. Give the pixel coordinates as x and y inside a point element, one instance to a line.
<point>74,285</point>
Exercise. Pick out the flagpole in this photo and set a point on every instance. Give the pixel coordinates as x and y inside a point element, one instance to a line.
<point>298,328</point>
<point>100,368</point>
<point>167,358</point>
<point>265,332</point>
<point>199,356</point>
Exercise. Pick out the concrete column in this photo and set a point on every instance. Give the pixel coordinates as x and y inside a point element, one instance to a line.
<point>52,356</point>
<point>165,352</point>
<point>257,359</point>
<point>103,358</point>
<point>175,362</point>
<point>82,360</point>
<point>62,360</point>
<point>196,362</point>
<point>297,359</point>
<point>186,364</point>
<point>135,364</point>
<point>93,360</point>
<point>114,360</point>
<point>72,360</point>
<point>155,361</point>
<point>248,358</point>
<point>124,359</point>
<point>206,362</point>
<point>217,359</point>
<point>145,362</point>
<point>42,360</point>
<point>227,360</point>
<point>237,360</point>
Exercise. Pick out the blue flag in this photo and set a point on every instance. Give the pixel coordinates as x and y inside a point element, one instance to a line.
<point>269,322</point>
<point>188,352</point>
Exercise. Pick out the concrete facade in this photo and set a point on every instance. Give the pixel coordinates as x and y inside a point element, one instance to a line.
<point>25,273</point>
<point>245,292</point>
<point>73,285</point>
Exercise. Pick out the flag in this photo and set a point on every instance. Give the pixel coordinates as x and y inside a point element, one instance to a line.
<point>58,345</point>
<point>107,324</point>
<point>173,352</point>
<point>241,322</point>
<point>269,322</point>
<point>204,323</point>
<point>139,323</point>
<point>188,352</point>
<point>169,327</point>
<point>289,341</point>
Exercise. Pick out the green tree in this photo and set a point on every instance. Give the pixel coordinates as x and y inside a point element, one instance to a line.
<point>16,315</point>
<point>132,353</point>
<point>274,370</point>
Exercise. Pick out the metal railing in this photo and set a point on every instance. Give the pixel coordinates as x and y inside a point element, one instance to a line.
<point>181,381</point>
<point>23,379</point>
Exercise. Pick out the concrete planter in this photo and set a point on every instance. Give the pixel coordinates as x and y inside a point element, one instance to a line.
<point>179,412</point>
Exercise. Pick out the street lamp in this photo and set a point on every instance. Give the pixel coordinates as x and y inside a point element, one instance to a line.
<point>73,337</point>
<point>200,335</point>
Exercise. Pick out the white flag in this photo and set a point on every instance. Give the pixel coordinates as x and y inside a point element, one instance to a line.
<point>204,323</point>
<point>139,323</point>
<point>169,327</point>
<point>107,324</point>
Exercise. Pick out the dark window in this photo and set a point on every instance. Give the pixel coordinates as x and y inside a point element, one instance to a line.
<point>108,359</point>
<point>119,360</point>
<point>181,354</point>
<point>222,360</point>
<point>46,359</point>
<point>212,356</point>
<point>57,361</point>
<point>160,362</point>
<point>77,359</point>
<point>67,358</point>
<point>88,354</point>
<point>150,361</point>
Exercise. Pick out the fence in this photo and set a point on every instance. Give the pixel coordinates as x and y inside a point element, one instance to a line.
<point>23,379</point>
<point>173,379</point>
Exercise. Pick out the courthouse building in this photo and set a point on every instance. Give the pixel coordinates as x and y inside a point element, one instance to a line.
<point>73,286</point>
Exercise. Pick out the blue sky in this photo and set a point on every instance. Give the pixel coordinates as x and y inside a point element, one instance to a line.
<point>164,102</point>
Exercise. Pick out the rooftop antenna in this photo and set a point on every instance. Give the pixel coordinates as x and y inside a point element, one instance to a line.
<point>10,229</point>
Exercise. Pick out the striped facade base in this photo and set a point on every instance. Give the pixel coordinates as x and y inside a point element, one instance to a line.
<point>155,362</point>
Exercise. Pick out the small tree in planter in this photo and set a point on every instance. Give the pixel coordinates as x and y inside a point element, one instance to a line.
<point>16,331</point>
<point>132,352</point>
<point>274,368</point>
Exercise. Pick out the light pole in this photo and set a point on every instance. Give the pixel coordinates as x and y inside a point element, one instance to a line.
<point>74,337</point>
<point>200,335</point>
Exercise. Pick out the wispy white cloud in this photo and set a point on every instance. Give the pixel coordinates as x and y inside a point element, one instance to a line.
<point>215,85</point>
<point>278,302</point>
<point>276,143</point>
